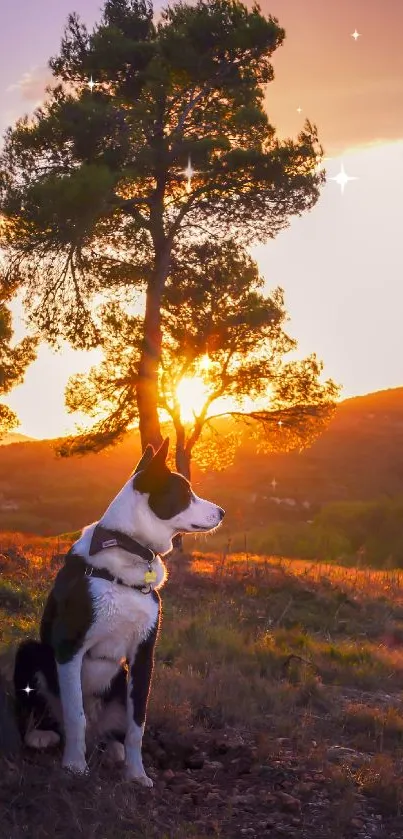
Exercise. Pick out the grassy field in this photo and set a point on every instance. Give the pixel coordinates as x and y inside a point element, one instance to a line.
<point>275,711</point>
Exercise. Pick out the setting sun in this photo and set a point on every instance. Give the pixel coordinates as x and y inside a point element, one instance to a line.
<point>192,393</point>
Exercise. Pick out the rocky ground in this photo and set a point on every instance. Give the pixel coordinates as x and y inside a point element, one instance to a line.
<point>205,784</point>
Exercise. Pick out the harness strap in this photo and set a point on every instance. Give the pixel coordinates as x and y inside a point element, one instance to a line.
<point>89,571</point>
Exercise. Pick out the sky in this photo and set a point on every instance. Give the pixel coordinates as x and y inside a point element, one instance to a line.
<point>341,265</point>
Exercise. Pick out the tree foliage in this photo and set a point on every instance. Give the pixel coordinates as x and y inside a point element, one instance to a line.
<point>93,186</point>
<point>220,327</point>
<point>14,360</point>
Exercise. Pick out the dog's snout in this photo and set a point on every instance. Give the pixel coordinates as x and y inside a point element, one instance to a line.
<point>221,512</point>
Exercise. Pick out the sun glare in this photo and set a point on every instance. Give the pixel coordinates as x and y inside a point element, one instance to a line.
<point>204,363</point>
<point>192,394</point>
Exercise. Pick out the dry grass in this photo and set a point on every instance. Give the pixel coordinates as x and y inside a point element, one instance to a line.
<point>275,649</point>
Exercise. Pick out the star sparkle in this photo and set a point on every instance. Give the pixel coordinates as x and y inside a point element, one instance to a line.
<point>299,110</point>
<point>92,84</point>
<point>280,423</point>
<point>274,483</point>
<point>189,172</point>
<point>342,178</point>
<point>28,690</point>
<point>355,35</point>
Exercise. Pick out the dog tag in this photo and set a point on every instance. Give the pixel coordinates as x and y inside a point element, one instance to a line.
<point>150,576</point>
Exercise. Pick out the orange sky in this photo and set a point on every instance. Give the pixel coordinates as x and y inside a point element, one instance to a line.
<point>353,90</point>
<point>340,265</point>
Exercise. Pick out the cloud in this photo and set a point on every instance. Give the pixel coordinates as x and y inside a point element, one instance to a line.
<point>32,84</point>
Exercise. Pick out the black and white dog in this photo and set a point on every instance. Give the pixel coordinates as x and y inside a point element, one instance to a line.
<point>87,680</point>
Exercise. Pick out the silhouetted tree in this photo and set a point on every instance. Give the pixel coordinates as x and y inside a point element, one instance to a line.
<point>219,326</point>
<point>94,186</point>
<point>14,361</point>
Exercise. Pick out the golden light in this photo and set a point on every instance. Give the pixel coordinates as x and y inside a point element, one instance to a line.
<point>205,363</point>
<point>192,393</point>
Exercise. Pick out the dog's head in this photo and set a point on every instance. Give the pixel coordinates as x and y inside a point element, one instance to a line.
<point>170,496</point>
<point>156,504</point>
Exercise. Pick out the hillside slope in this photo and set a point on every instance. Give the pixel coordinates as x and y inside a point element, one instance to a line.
<point>359,457</point>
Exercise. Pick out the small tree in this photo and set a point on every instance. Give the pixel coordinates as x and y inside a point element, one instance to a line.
<point>217,326</point>
<point>14,361</point>
<point>94,186</point>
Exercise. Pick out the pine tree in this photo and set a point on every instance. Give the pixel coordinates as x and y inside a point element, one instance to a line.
<point>173,143</point>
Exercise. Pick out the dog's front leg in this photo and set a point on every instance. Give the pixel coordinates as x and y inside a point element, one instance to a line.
<point>73,714</point>
<point>141,669</point>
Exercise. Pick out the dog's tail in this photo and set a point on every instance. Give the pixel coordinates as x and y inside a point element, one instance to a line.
<point>33,658</point>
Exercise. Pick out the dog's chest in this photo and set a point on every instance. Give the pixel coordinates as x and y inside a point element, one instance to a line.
<point>122,618</point>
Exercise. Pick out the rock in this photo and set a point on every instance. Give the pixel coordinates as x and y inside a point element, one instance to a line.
<point>283,741</point>
<point>213,764</point>
<point>288,801</point>
<point>243,799</point>
<point>194,762</point>
<point>243,765</point>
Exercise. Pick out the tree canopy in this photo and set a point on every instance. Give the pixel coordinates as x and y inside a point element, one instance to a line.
<point>221,331</point>
<point>94,186</point>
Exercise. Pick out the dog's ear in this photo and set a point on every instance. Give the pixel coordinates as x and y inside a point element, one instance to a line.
<point>155,473</point>
<point>161,454</point>
<point>145,459</point>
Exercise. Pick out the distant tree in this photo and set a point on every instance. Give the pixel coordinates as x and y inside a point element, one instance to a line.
<point>14,361</point>
<point>94,186</point>
<point>220,327</point>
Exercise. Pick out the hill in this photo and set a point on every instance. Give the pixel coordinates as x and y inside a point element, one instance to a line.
<point>13,437</point>
<point>359,457</point>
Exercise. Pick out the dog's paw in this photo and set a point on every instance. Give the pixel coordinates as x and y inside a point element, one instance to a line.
<point>76,767</point>
<point>38,739</point>
<point>139,777</point>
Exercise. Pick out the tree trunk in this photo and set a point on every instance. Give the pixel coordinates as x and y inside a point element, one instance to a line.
<point>147,383</point>
<point>182,461</point>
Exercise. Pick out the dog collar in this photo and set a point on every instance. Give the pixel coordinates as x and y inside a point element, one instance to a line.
<point>103,538</point>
